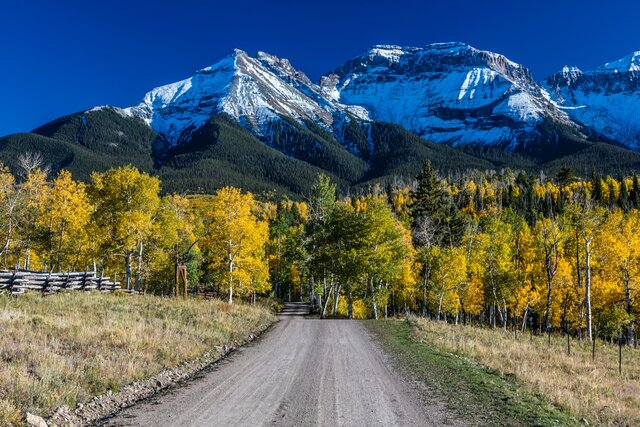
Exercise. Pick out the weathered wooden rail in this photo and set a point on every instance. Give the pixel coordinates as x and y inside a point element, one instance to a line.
<point>20,281</point>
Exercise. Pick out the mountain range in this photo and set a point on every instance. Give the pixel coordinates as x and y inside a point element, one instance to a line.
<point>257,122</point>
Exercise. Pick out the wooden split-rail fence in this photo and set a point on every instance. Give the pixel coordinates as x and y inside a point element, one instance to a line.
<point>20,281</point>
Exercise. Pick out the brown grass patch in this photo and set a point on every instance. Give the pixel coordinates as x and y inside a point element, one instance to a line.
<point>591,389</point>
<point>66,348</point>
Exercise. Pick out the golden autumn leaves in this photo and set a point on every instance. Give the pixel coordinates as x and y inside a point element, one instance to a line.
<point>511,252</point>
<point>235,242</point>
<point>120,223</point>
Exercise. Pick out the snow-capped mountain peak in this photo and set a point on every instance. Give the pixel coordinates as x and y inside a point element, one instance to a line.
<point>386,53</point>
<point>283,68</point>
<point>571,74</point>
<point>606,100</point>
<point>628,64</point>
<point>253,91</point>
<point>448,92</point>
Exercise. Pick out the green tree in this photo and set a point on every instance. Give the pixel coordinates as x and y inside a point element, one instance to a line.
<point>321,203</point>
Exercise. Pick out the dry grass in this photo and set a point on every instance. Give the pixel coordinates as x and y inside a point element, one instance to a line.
<point>589,389</point>
<point>64,349</point>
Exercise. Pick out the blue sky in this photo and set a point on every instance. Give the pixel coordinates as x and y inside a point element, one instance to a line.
<point>65,56</point>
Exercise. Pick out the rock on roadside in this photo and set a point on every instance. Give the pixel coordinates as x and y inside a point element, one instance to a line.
<point>35,421</point>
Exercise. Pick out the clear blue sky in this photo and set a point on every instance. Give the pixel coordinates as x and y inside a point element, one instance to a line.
<point>58,57</point>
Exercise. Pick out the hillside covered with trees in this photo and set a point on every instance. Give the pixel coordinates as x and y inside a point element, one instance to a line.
<point>223,153</point>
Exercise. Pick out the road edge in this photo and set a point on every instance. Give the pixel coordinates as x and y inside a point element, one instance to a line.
<point>109,404</point>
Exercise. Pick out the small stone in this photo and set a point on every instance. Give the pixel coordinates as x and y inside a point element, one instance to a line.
<point>36,421</point>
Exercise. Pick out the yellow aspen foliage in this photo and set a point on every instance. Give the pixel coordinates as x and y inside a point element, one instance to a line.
<point>10,207</point>
<point>63,213</point>
<point>564,312</point>
<point>173,240</point>
<point>613,186</point>
<point>234,245</point>
<point>126,201</point>
<point>448,275</point>
<point>303,210</point>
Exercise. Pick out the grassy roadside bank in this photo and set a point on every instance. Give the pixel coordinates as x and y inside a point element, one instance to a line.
<point>563,371</point>
<point>478,395</point>
<point>64,349</point>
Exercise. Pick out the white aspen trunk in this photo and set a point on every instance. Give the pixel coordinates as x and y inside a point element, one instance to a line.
<point>8,239</point>
<point>424,293</point>
<point>27,259</point>
<point>127,261</point>
<point>495,303</point>
<point>524,318</point>
<point>373,300</point>
<point>629,304</point>
<point>324,286</point>
<point>504,316</point>
<point>547,313</point>
<point>587,277</point>
<point>336,299</point>
<point>551,271</point>
<point>139,269</point>
<point>386,306</point>
<point>326,302</point>
<point>59,254</point>
<point>439,305</point>
<point>230,282</point>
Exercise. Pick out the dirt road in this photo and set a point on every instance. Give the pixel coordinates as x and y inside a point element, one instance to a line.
<point>303,372</point>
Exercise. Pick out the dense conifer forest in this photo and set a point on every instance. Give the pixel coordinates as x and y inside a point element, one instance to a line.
<point>286,162</point>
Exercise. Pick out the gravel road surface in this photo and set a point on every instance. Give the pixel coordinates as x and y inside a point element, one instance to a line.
<point>303,372</point>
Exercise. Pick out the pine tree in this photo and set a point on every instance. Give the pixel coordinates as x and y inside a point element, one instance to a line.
<point>635,192</point>
<point>623,200</point>
<point>428,200</point>
<point>597,190</point>
<point>565,176</point>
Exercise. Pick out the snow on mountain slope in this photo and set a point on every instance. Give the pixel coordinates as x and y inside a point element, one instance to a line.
<point>253,91</point>
<point>628,64</point>
<point>606,100</point>
<point>448,92</point>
